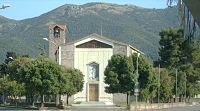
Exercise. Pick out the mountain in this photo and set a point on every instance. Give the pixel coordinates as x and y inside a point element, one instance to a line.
<point>137,26</point>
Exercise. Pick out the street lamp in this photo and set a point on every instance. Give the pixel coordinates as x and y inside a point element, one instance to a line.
<point>10,58</point>
<point>46,39</point>
<point>136,91</point>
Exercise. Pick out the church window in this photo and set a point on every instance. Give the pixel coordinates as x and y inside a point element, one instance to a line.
<point>93,72</point>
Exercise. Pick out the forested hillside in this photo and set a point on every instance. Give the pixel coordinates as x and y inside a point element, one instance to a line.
<point>137,26</point>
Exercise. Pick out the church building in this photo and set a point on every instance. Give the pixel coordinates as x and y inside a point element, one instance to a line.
<point>90,55</point>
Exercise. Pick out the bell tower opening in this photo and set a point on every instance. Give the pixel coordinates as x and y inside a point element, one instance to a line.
<point>56,32</point>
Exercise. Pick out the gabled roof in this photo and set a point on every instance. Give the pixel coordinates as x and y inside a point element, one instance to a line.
<point>95,36</point>
<point>61,26</point>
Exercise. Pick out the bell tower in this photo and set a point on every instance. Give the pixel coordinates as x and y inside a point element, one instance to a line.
<point>57,35</point>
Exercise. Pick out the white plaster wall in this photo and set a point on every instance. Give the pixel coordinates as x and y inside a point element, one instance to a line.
<point>84,56</point>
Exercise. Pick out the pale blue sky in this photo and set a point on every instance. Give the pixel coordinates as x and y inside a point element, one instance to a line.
<point>22,9</point>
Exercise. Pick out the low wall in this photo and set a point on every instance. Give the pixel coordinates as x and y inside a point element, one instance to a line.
<point>146,106</point>
<point>119,99</point>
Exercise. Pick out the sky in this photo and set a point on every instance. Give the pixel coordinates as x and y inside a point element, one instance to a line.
<point>23,9</point>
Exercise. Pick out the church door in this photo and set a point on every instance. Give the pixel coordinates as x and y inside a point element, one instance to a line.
<point>93,92</point>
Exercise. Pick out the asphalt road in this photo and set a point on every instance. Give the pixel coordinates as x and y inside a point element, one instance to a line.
<point>9,108</point>
<point>187,108</point>
<point>98,109</point>
<point>74,109</point>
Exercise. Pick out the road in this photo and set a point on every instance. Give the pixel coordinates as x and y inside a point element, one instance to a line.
<point>99,109</point>
<point>75,109</point>
<point>187,108</point>
<point>9,108</point>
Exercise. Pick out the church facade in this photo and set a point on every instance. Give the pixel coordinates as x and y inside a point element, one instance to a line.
<point>90,55</point>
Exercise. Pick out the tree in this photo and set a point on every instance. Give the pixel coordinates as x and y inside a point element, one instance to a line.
<point>15,90</point>
<point>147,81</point>
<point>13,68</point>
<point>10,56</point>
<point>3,68</point>
<point>8,72</point>
<point>119,75</point>
<point>46,77</point>
<point>73,82</point>
<point>179,88</point>
<point>187,49</point>
<point>176,53</point>
<point>10,88</point>
<point>4,87</point>
<point>181,84</point>
<point>26,76</point>
<point>191,68</point>
<point>170,47</point>
<point>196,55</point>
<point>166,84</point>
<point>41,77</point>
<point>193,86</point>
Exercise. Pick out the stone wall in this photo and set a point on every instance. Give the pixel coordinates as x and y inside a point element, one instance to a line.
<point>120,49</point>
<point>70,99</point>
<point>119,99</point>
<point>67,56</point>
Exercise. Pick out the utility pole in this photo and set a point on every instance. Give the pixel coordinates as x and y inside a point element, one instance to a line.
<point>185,86</point>
<point>136,91</point>
<point>101,30</point>
<point>158,83</point>
<point>152,83</point>
<point>137,78</point>
<point>176,87</point>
